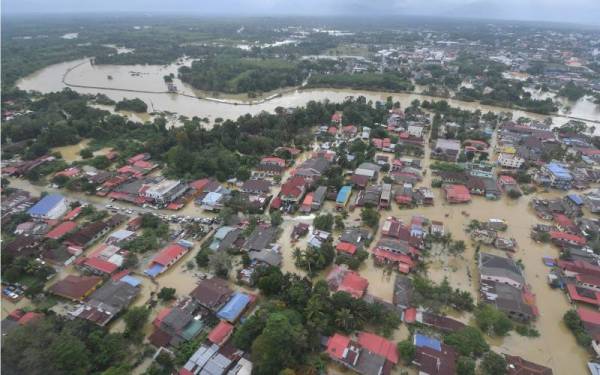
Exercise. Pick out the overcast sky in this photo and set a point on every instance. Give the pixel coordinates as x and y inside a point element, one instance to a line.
<point>576,11</point>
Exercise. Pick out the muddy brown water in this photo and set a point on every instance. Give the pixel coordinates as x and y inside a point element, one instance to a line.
<point>150,78</point>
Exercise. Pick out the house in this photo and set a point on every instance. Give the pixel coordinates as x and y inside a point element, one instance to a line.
<point>256,186</point>
<point>349,353</point>
<point>212,293</point>
<point>433,357</point>
<point>51,206</point>
<point>75,288</point>
<point>385,200</point>
<point>293,190</point>
<point>234,308</point>
<point>440,322</point>
<point>220,333</point>
<point>516,303</point>
<point>378,345</point>
<point>271,257</point>
<point>519,366</point>
<point>403,291</point>
<point>565,239</point>
<point>165,259</point>
<point>436,228</point>
<point>165,191</point>
<point>260,238</point>
<point>456,194</point>
<point>319,197</point>
<point>225,238</point>
<point>369,170</point>
<point>500,269</point>
<point>177,324</point>
<point>209,360</point>
<point>120,237</point>
<point>591,323</point>
<point>19,318</point>
<point>61,230</point>
<point>87,235</point>
<point>313,168</point>
<point>306,206</point>
<point>583,295</point>
<point>341,279</point>
<point>446,149</point>
<point>107,301</point>
<point>510,160</point>
<point>343,197</point>
<point>564,224</point>
<point>560,177</point>
<point>492,191</point>
<point>507,183</point>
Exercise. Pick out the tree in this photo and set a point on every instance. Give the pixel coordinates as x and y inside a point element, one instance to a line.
<point>492,320</point>
<point>468,341</point>
<point>220,263</point>
<point>514,194</point>
<point>167,294</point>
<point>270,281</point>
<point>202,258</point>
<point>69,355</point>
<point>465,366</point>
<point>339,222</point>
<point>135,318</point>
<point>370,217</point>
<point>324,222</point>
<point>276,218</point>
<point>493,364</point>
<point>281,345</point>
<point>458,247</point>
<point>407,351</point>
<point>86,153</point>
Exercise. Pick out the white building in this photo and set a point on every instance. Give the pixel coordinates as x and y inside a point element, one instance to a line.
<point>510,160</point>
<point>166,191</point>
<point>415,130</point>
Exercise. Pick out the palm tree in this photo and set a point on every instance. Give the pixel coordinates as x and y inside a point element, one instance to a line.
<point>345,319</point>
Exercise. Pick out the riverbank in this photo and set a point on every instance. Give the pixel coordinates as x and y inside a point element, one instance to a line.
<point>148,85</point>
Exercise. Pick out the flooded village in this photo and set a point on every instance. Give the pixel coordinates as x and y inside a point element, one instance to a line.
<point>457,214</point>
<point>183,197</point>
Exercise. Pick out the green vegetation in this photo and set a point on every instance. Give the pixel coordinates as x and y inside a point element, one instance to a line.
<point>53,345</point>
<point>493,364</point>
<point>492,321</point>
<point>407,351</point>
<point>133,105</point>
<point>388,81</point>
<point>167,294</point>
<point>572,92</point>
<point>434,296</point>
<point>244,75</point>
<point>314,259</point>
<point>324,222</point>
<point>370,217</point>
<point>469,342</point>
<point>574,323</point>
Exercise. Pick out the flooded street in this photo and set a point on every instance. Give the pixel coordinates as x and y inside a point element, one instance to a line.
<point>148,79</point>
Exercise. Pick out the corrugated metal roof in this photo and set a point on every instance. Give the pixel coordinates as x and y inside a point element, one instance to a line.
<point>44,205</point>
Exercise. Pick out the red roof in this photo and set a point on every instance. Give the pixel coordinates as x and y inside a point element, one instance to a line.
<point>119,275</point>
<point>507,180</point>
<point>336,345</point>
<point>346,247</point>
<point>161,315</point>
<point>394,257</point>
<point>199,185</point>
<point>588,279</point>
<point>273,160</point>
<point>589,316</point>
<point>220,333</point>
<point>354,284</point>
<point>69,172</point>
<point>30,317</point>
<point>101,265</point>
<point>555,235</point>
<point>73,213</point>
<point>332,130</point>
<point>457,193</point>
<point>410,315</point>
<point>379,345</point>
<point>293,187</point>
<point>62,229</point>
<point>563,220</point>
<point>75,287</point>
<point>583,295</point>
<point>276,203</point>
<point>168,254</point>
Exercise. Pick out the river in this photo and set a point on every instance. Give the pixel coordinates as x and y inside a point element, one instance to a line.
<point>87,78</point>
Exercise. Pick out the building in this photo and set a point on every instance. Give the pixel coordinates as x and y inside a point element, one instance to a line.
<point>500,269</point>
<point>349,353</point>
<point>343,197</point>
<point>177,324</point>
<point>261,238</point>
<point>75,288</point>
<point>560,177</point>
<point>519,366</point>
<point>211,294</point>
<point>457,194</point>
<point>341,279</point>
<point>165,259</point>
<point>51,206</point>
<point>61,230</point>
<point>108,301</point>
<point>446,149</point>
<point>220,333</point>
<point>166,191</point>
<point>319,197</point>
<point>517,304</point>
<point>235,307</point>
<point>510,160</point>
<point>433,357</point>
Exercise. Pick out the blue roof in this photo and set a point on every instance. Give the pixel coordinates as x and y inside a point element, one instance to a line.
<point>559,171</point>
<point>426,341</point>
<point>576,199</point>
<point>344,194</point>
<point>130,280</point>
<point>154,270</point>
<point>234,308</point>
<point>44,205</point>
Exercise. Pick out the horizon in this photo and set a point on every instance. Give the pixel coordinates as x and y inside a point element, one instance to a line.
<point>580,12</point>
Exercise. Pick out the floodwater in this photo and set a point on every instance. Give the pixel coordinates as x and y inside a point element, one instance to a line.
<point>148,79</point>
<point>70,153</point>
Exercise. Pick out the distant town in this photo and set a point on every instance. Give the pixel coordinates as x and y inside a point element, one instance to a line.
<point>283,196</point>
